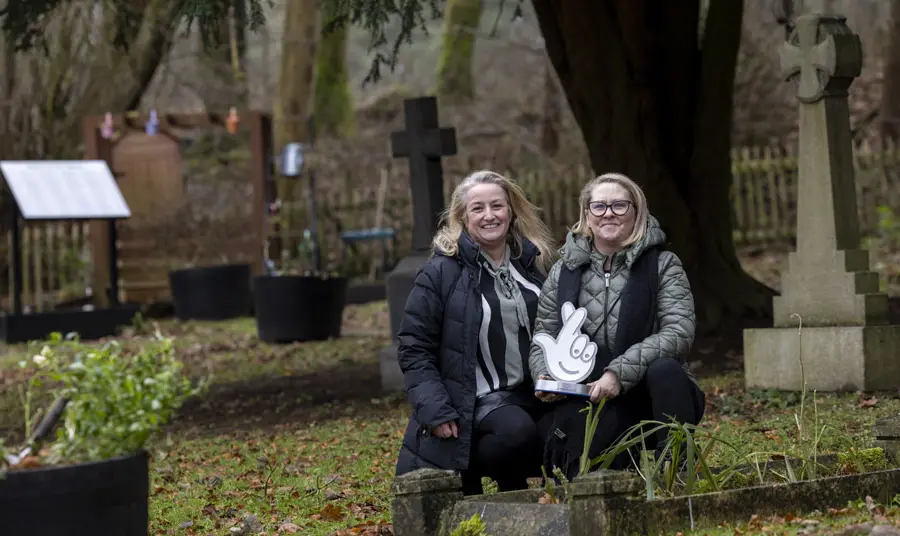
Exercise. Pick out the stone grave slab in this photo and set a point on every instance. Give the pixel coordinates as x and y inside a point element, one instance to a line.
<point>430,503</point>
<point>828,289</point>
<point>423,143</point>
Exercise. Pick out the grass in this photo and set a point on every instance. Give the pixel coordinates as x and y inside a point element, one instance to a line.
<point>301,438</point>
<point>857,514</point>
<point>330,473</point>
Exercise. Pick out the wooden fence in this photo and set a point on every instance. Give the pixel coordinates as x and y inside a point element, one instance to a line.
<point>55,264</point>
<point>764,190</point>
<point>763,197</point>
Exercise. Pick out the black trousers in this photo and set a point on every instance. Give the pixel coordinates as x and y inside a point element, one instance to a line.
<point>666,393</point>
<point>507,448</point>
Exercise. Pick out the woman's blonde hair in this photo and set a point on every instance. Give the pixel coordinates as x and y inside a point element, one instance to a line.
<point>637,197</point>
<point>524,221</point>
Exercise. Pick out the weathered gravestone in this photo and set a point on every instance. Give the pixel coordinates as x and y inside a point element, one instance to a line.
<point>845,341</point>
<point>423,143</point>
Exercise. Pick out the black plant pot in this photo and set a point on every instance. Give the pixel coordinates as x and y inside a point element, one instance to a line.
<point>107,498</point>
<point>291,308</point>
<point>212,292</point>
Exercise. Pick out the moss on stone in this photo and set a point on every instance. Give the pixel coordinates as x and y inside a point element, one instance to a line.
<point>863,460</point>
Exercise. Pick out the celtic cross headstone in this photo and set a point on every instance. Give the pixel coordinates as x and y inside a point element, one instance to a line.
<point>828,286</point>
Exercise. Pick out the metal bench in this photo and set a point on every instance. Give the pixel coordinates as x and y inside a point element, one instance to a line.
<point>385,235</point>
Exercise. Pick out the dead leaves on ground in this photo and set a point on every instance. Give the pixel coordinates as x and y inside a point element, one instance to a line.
<point>867,401</point>
<point>369,528</point>
<point>858,517</point>
<point>329,512</point>
<point>332,512</point>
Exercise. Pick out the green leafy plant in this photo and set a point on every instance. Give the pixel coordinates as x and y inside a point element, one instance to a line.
<point>682,462</point>
<point>590,427</point>
<point>550,487</point>
<point>116,399</point>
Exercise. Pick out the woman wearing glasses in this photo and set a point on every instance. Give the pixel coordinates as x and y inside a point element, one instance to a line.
<point>640,314</point>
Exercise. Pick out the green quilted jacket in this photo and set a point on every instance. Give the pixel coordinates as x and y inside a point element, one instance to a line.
<point>676,318</point>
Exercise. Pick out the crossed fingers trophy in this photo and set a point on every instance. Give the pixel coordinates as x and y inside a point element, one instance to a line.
<point>570,357</point>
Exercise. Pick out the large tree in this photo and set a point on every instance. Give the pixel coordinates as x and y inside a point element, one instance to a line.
<point>653,99</point>
<point>652,95</point>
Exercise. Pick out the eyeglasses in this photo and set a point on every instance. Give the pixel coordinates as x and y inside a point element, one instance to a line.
<point>619,208</point>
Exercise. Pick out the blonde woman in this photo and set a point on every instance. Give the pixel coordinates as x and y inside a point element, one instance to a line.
<point>465,338</point>
<point>640,314</point>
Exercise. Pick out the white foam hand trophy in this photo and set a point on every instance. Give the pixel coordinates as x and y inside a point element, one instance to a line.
<point>570,357</point>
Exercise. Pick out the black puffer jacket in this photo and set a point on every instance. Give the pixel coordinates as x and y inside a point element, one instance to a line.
<point>438,345</point>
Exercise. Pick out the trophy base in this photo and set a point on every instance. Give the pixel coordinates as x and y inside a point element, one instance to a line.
<point>563,388</point>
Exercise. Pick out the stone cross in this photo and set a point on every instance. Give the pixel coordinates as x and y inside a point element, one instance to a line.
<point>424,143</point>
<point>814,61</point>
<point>845,341</point>
<point>828,280</point>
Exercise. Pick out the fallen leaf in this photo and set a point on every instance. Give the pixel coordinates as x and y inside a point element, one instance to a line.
<point>28,462</point>
<point>332,512</point>
<point>546,498</point>
<point>289,528</point>
<point>755,522</point>
<point>866,402</point>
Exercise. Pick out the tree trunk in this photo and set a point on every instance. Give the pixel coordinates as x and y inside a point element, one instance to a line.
<point>454,72</point>
<point>890,97</point>
<point>295,76</point>
<point>292,97</point>
<point>224,62</point>
<point>654,105</point>
<point>552,118</point>
<point>333,102</point>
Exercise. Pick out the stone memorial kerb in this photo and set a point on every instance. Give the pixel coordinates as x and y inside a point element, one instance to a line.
<point>423,143</point>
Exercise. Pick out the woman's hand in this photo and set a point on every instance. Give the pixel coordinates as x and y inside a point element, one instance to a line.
<point>544,396</point>
<point>606,387</point>
<point>446,430</point>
